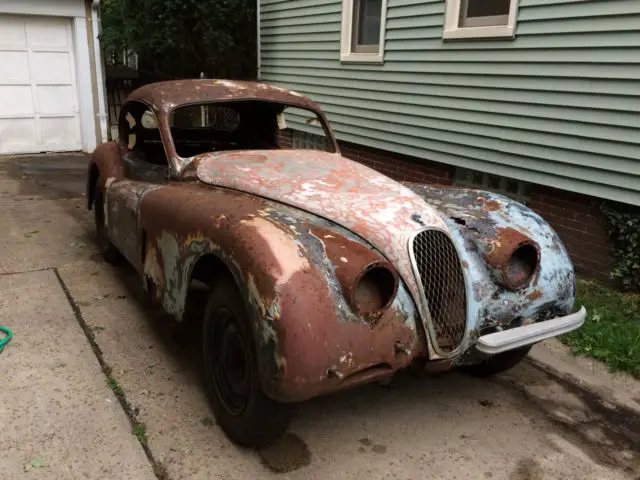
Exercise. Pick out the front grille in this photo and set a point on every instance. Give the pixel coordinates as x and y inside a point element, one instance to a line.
<point>439,271</point>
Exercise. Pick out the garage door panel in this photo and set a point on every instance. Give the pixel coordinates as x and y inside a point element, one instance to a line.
<point>17,134</point>
<point>13,34</point>
<point>14,67</point>
<point>56,99</point>
<point>51,67</point>
<point>38,91</point>
<point>47,33</point>
<point>15,100</point>
<point>58,131</point>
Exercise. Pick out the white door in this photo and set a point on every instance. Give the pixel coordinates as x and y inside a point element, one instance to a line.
<point>39,109</point>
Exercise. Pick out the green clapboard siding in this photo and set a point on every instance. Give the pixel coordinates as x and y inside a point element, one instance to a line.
<point>558,106</point>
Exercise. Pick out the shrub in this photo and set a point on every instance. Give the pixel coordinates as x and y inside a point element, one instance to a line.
<point>623,226</point>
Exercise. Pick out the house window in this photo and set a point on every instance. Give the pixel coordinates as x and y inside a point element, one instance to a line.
<point>509,187</point>
<point>480,19</point>
<point>363,26</point>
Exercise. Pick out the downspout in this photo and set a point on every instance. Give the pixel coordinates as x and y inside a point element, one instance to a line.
<point>258,37</point>
<point>102,111</point>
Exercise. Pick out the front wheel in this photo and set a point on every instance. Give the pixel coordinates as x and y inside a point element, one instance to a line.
<point>243,411</point>
<point>497,363</point>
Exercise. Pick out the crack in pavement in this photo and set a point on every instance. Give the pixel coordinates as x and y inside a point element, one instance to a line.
<point>158,468</point>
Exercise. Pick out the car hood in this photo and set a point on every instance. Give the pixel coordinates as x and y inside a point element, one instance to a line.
<point>380,210</point>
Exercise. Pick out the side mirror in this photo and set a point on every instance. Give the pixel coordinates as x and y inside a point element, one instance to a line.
<point>149,120</point>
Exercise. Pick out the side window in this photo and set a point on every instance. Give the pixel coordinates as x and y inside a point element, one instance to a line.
<point>145,159</point>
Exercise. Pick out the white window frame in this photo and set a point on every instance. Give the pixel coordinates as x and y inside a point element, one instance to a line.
<point>453,30</point>
<point>347,55</point>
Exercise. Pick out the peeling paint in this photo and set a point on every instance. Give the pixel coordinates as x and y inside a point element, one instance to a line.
<point>297,231</point>
<point>551,291</point>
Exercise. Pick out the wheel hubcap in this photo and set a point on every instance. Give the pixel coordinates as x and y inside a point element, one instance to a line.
<point>228,362</point>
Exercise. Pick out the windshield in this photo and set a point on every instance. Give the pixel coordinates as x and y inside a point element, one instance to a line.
<point>243,125</point>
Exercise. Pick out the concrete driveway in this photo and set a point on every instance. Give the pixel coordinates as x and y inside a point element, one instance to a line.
<point>99,384</point>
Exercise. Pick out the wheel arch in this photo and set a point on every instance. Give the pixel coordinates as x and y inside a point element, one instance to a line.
<point>105,162</point>
<point>92,182</point>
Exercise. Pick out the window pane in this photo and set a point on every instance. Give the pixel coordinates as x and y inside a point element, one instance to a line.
<point>206,116</point>
<point>366,16</point>
<point>487,8</point>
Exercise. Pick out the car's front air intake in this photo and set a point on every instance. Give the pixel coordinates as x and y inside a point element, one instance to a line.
<point>438,269</point>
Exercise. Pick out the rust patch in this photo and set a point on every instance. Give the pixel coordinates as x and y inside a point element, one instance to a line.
<point>365,202</point>
<point>536,294</point>
<point>487,205</point>
<point>107,158</point>
<point>492,206</point>
<point>352,261</point>
<point>308,341</point>
<point>499,254</point>
<point>163,96</point>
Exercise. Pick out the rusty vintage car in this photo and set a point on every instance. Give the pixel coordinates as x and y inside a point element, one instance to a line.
<point>322,272</point>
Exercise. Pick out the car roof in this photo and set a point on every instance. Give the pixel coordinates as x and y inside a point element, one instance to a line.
<point>164,96</point>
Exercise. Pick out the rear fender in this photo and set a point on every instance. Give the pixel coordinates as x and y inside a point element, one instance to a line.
<point>104,164</point>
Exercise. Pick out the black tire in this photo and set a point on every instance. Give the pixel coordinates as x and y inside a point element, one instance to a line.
<point>244,412</point>
<point>107,249</point>
<point>498,363</point>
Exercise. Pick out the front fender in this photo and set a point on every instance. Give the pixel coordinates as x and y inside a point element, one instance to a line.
<point>307,337</point>
<point>477,219</point>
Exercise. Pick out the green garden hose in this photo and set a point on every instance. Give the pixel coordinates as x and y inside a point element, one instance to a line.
<point>8,335</point>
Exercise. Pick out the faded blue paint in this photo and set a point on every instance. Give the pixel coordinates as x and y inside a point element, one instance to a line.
<point>474,216</point>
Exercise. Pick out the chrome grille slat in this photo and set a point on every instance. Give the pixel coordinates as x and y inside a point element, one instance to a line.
<point>440,273</point>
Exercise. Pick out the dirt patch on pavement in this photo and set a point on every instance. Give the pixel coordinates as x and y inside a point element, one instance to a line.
<point>609,432</point>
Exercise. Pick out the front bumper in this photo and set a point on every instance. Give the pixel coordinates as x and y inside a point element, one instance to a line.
<point>505,340</point>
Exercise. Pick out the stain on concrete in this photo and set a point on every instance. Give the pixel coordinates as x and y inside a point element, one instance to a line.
<point>527,469</point>
<point>366,445</point>
<point>609,434</point>
<point>288,454</point>
<point>365,442</point>
<point>53,176</point>
<point>379,449</point>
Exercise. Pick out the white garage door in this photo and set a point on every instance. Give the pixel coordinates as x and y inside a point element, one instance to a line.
<point>38,97</point>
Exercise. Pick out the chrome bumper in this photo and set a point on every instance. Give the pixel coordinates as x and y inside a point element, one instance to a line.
<point>529,334</point>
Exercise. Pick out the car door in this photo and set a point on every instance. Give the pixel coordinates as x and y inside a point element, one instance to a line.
<point>145,168</point>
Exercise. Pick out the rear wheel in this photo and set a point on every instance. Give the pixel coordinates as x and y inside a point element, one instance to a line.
<point>497,363</point>
<point>107,249</point>
<point>243,411</point>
